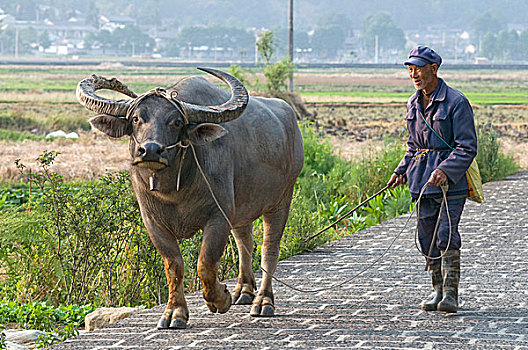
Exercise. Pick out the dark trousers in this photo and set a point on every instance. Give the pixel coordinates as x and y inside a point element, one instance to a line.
<point>429,210</point>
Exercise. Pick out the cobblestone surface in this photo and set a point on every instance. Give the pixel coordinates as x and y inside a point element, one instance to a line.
<point>379,309</point>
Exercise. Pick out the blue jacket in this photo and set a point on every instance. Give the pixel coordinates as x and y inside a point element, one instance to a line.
<point>451,116</point>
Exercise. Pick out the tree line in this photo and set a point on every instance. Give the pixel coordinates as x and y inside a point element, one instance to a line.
<point>327,35</point>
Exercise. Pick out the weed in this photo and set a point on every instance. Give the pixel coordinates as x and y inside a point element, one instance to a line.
<point>59,323</point>
<point>493,164</point>
<point>79,243</point>
<point>18,136</point>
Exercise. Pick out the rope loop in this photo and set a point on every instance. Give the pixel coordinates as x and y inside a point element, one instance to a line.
<point>171,97</point>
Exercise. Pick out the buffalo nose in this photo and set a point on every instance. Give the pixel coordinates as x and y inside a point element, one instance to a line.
<point>150,149</point>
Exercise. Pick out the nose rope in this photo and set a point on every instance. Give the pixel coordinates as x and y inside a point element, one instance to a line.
<point>338,284</point>
<point>180,144</point>
<point>428,256</point>
<point>171,97</point>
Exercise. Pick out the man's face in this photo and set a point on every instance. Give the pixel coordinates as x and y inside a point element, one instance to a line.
<point>424,78</point>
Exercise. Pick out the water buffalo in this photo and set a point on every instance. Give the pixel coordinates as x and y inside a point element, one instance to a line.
<point>250,151</point>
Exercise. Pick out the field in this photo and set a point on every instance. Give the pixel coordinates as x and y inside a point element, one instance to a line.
<point>356,107</point>
<point>358,111</point>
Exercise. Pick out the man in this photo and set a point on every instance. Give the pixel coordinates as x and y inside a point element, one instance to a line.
<point>441,146</point>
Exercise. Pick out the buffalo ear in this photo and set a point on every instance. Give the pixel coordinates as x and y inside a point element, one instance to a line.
<point>112,126</point>
<point>203,133</point>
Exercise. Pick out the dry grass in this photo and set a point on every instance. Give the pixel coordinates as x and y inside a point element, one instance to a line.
<point>351,99</point>
<point>86,158</point>
<point>38,96</point>
<point>397,78</point>
<point>353,125</point>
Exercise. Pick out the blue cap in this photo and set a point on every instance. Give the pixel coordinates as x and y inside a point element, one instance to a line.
<point>422,55</point>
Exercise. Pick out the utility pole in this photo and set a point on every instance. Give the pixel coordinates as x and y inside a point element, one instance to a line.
<point>16,42</point>
<point>376,48</point>
<point>290,43</point>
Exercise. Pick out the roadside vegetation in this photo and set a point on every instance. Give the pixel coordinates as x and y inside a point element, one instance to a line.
<point>66,243</point>
<point>69,244</point>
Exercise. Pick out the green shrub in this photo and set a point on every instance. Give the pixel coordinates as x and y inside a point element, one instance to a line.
<point>14,120</point>
<point>66,121</point>
<point>12,197</point>
<point>16,125</point>
<point>79,243</point>
<point>237,71</point>
<point>17,136</point>
<point>59,323</point>
<point>277,74</point>
<point>493,164</point>
<point>86,241</point>
<point>329,186</point>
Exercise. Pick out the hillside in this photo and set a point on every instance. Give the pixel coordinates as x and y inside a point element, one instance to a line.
<point>407,14</point>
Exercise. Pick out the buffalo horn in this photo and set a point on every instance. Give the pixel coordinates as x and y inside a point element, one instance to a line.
<point>88,98</point>
<point>228,111</point>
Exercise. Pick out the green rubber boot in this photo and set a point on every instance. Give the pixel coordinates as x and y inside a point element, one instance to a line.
<point>436,277</point>
<point>451,276</point>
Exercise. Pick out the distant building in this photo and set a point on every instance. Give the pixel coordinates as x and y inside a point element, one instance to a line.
<point>111,23</point>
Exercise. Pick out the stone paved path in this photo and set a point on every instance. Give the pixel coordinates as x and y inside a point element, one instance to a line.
<point>379,309</point>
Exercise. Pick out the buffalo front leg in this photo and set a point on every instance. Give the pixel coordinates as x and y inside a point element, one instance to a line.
<point>244,292</point>
<point>176,313</point>
<point>215,294</point>
<point>274,223</point>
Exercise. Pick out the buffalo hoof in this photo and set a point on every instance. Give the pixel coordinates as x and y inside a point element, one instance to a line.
<point>221,307</point>
<point>262,311</point>
<point>171,319</point>
<point>163,323</point>
<point>242,299</point>
<point>178,323</point>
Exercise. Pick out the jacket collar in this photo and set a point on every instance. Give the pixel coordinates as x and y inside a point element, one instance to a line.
<point>439,94</point>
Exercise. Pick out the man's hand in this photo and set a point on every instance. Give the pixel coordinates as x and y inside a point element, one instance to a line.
<point>437,178</point>
<point>396,180</point>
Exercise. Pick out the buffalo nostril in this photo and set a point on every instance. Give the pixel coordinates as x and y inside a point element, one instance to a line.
<point>152,149</point>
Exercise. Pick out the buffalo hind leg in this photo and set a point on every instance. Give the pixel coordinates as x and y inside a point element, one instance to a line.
<point>215,294</point>
<point>244,292</point>
<point>274,223</point>
<point>176,313</point>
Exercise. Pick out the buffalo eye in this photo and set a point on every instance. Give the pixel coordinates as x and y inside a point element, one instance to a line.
<point>176,122</point>
<point>135,119</point>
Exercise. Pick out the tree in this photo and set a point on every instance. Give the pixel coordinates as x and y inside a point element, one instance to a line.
<point>44,40</point>
<point>92,15</point>
<point>266,46</point>
<point>301,40</point>
<point>7,41</point>
<point>326,41</point>
<point>523,44</point>
<point>27,40</point>
<point>102,39</point>
<point>333,18</point>
<point>488,46</point>
<point>506,43</point>
<point>277,74</point>
<point>131,39</point>
<point>236,39</point>
<point>489,21</point>
<point>380,25</point>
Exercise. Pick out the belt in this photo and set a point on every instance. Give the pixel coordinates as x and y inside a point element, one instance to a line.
<point>422,152</point>
<point>431,150</point>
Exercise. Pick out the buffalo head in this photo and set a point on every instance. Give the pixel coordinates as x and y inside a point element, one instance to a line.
<point>158,121</point>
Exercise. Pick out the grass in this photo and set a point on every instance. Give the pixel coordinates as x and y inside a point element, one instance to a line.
<point>43,98</point>
<point>366,96</point>
<point>482,86</point>
<point>18,136</point>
